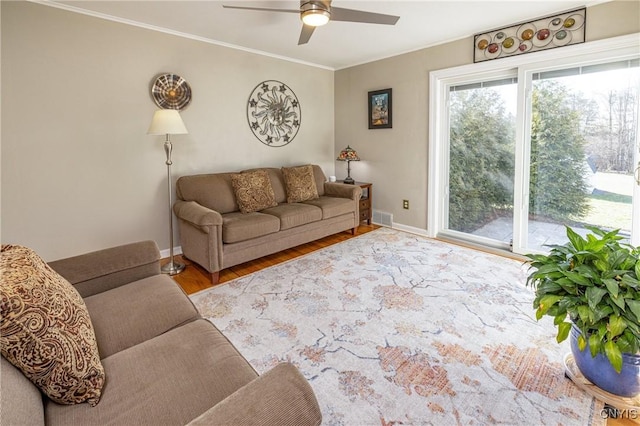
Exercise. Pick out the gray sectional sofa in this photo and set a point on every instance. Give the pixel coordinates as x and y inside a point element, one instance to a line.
<point>215,234</point>
<point>163,364</point>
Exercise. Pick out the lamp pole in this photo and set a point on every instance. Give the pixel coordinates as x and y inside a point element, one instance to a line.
<point>171,268</point>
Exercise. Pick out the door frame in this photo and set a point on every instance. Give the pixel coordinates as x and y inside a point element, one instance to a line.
<point>617,48</point>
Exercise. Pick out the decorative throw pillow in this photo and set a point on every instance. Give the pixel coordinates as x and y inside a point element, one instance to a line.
<point>253,191</point>
<point>45,329</point>
<point>300,183</point>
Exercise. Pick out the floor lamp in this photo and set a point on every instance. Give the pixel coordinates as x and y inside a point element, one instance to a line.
<point>168,122</point>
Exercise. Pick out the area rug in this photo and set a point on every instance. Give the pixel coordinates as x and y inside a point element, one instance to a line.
<point>393,328</point>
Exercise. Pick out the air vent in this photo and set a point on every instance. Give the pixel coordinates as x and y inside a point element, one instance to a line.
<point>383,218</point>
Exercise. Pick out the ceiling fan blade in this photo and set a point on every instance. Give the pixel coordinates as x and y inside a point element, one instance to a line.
<point>350,15</point>
<point>305,34</point>
<point>265,9</point>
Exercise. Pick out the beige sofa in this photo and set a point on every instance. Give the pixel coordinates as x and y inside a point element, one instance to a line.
<point>216,235</point>
<point>163,363</point>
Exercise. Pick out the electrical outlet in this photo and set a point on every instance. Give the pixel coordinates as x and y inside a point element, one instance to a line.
<point>405,204</point>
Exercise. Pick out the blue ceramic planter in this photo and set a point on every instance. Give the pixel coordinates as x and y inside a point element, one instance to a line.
<point>601,373</point>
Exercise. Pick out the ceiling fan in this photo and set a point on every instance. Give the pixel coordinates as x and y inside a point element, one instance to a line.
<point>315,13</point>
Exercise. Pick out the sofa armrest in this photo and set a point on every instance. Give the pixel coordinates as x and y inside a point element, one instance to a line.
<point>102,270</point>
<point>342,190</point>
<point>197,215</point>
<point>281,397</point>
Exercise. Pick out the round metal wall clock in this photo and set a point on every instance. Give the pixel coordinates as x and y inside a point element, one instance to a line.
<point>170,91</point>
<point>273,112</point>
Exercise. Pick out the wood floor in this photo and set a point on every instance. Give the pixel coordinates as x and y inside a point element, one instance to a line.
<point>194,279</point>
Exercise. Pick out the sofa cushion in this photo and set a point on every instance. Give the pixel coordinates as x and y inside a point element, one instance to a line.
<point>120,322</point>
<point>294,214</point>
<point>213,191</point>
<point>253,191</point>
<point>333,206</point>
<point>168,380</point>
<point>300,183</point>
<point>240,226</point>
<point>320,179</point>
<point>21,401</point>
<point>102,270</point>
<point>46,330</point>
<point>281,396</point>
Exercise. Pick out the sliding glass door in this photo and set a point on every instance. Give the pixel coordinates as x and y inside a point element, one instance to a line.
<point>525,151</point>
<point>583,151</point>
<point>481,160</point>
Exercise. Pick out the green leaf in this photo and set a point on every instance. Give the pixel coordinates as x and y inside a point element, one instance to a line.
<point>629,281</point>
<point>537,257</point>
<point>563,331</point>
<point>612,286</point>
<point>558,319</point>
<point>545,269</point>
<point>578,278</point>
<point>617,258</point>
<point>587,271</point>
<point>576,240</point>
<point>594,344</point>
<point>601,265</point>
<point>600,312</point>
<point>594,244</point>
<point>594,296</point>
<point>547,302</point>
<point>616,325</point>
<point>582,343</point>
<point>584,313</point>
<point>548,286</point>
<point>614,355</point>
<point>634,306</point>
<point>619,301</point>
<point>598,231</point>
<point>627,343</point>
<point>629,263</point>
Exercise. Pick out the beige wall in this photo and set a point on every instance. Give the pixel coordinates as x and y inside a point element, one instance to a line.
<point>395,160</point>
<point>79,172</point>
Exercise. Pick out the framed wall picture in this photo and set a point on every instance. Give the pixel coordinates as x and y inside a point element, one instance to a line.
<point>380,109</point>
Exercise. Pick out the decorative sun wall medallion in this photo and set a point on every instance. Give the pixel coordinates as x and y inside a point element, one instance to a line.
<point>170,91</point>
<point>273,112</point>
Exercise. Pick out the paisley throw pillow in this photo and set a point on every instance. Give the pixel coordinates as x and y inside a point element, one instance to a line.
<point>45,329</point>
<point>300,183</point>
<point>253,191</point>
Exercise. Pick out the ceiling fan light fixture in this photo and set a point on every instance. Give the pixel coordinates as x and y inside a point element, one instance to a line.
<point>315,18</point>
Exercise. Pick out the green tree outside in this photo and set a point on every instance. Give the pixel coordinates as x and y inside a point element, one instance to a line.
<point>481,169</point>
<point>557,187</point>
<point>481,158</point>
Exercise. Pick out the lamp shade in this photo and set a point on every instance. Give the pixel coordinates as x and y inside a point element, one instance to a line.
<point>348,154</point>
<point>167,122</point>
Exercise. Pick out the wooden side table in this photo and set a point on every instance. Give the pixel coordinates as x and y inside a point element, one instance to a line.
<point>366,208</point>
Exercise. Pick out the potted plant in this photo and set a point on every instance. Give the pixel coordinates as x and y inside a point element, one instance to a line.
<point>591,287</point>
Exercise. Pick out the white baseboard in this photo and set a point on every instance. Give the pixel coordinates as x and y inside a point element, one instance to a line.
<point>165,253</point>
<point>411,229</point>
<point>405,228</point>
